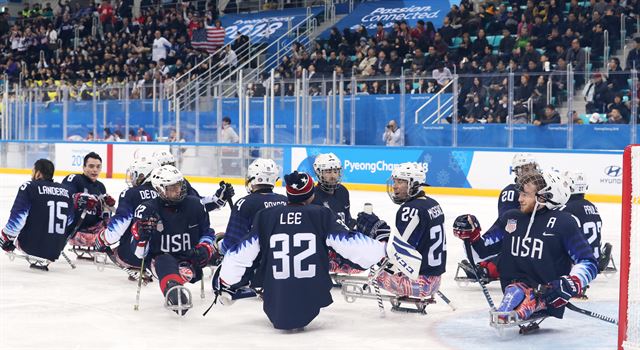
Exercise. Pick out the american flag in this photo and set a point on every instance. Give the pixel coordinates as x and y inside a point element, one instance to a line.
<point>208,38</point>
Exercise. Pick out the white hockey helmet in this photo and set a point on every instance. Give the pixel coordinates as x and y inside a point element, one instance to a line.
<point>140,170</point>
<point>164,158</point>
<point>523,162</point>
<point>414,174</point>
<point>262,171</point>
<point>577,182</point>
<point>556,190</point>
<point>324,162</point>
<point>168,181</point>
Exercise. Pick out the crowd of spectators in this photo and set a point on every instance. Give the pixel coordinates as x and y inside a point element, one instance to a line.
<point>536,40</point>
<point>102,46</point>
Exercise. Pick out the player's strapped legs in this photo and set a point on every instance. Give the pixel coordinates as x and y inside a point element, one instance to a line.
<point>87,236</point>
<point>522,299</point>
<point>168,270</point>
<point>337,264</point>
<point>402,286</point>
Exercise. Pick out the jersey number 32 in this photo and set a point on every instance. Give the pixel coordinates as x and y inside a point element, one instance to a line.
<point>283,255</point>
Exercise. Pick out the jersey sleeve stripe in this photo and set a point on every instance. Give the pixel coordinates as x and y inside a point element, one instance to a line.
<point>239,259</point>
<point>357,248</point>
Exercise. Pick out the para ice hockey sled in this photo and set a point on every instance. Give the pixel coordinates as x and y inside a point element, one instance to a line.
<point>359,287</point>
<point>465,270</point>
<point>502,321</point>
<point>35,262</point>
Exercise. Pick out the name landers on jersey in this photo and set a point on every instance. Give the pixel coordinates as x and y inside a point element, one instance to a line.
<point>53,191</point>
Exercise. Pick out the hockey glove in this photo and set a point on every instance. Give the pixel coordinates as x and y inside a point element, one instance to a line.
<point>224,193</point>
<point>467,226</point>
<point>224,294</point>
<point>100,244</point>
<point>558,292</point>
<point>201,254</point>
<point>6,243</point>
<point>372,226</point>
<point>143,228</point>
<point>82,201</point>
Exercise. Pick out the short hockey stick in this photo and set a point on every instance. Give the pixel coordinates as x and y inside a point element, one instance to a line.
<point>485,291</point>
<point>71,235</point>
<point>596,315</point>
<point>446,300</point>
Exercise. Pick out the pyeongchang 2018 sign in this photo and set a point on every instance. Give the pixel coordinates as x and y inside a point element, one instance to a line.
<point>264,26</point>
<point>368,14</point>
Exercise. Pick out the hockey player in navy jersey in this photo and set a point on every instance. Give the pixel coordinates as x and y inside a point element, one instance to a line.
<point>116,238</point>
<point>41,216</point>
<point>291,243</point>
<point>213,202</point>
<point>419,221</point>
<point>332,194</point>
<point>172,231</point>
<point>261,178</point>
<point>589,217</point>
<point>95,220</point>
<point>521,165</point>
<point>545,259</point>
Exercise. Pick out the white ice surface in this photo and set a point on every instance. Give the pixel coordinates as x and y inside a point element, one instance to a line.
<point>87,309</point>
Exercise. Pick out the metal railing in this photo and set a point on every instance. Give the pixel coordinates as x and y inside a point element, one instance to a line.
<point>439,113</point>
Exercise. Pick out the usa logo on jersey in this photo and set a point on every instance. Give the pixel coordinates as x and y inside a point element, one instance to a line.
<point>512,224</point>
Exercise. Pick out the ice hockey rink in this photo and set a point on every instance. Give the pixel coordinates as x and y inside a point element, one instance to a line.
<point>88,309</point>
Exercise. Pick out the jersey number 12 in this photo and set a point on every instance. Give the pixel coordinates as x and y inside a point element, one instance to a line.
<point>55,212</point>
<point>283,255</point>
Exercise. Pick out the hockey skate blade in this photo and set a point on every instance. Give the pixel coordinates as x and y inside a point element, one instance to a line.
<point>180,308</point>
<point>34,260</point>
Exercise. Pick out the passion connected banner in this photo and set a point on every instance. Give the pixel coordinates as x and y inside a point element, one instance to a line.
<point>368,14</point>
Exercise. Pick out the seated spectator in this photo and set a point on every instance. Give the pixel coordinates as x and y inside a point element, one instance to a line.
<point>617,79</point>
<point>620,106</point>
<point>614,117</point>
<point>441,74</point>
<point>596,94</point>
<point>550,116</point>
<point>633,57</point>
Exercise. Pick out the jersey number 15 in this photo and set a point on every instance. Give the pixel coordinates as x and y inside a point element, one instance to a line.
<point>57,220</point>
<point>283,255</point>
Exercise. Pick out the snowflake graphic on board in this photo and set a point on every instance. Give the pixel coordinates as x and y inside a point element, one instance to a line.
<point>442,177</point>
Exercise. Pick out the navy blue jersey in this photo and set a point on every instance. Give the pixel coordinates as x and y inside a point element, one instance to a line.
<point>554,247</point>
<point>181,226</point>
<point>508,199</point>
<point>243,212</point>
<point>41,218</point>
<point>338,201</point>
<point>294,264</point>
<point>587,214</point>
<point>420,222</point>
<point>80,183</point>
<point>119,228</point>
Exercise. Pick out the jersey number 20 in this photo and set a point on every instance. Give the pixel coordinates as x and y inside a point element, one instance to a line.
<point>57,220</point>
<point>283,255</point>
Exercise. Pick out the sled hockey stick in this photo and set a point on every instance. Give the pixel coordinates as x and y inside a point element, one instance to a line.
<point>485,291</point>
<point>71,235</point>
<point>446,300</point>
<point>595,315</point>
<point>136,306</point>
<point>373,275</point>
